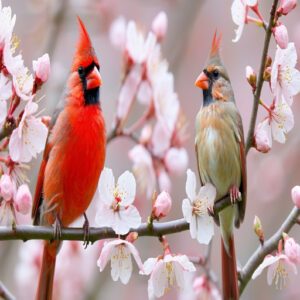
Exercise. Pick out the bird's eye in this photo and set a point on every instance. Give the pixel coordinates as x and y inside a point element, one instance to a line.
<point>80,71</point>
<point>215,74</point>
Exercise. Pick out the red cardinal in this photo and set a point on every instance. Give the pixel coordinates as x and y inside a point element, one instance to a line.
<point>74,156</point>
<point>221,159</point>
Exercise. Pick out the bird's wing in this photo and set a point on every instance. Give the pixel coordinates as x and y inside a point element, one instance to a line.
<point>243,186</point>
<point>38,196</point>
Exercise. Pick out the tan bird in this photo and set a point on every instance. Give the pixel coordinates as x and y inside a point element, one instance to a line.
<point>220,151</point>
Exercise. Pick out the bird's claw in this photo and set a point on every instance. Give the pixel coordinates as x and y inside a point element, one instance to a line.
<point>57,228</point>
<point>86,229</point>
<point>210,211</point>
<point>234,194</point>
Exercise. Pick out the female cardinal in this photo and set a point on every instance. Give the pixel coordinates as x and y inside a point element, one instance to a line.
<point>221,159</point>
<point>74,156</point>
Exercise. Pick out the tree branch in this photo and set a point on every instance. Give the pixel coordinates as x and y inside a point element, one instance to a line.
<point>260,80</point>
<point>5,294</point>
<point>270,245</point>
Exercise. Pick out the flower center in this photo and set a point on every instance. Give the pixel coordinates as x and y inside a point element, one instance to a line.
<point>200,207</point>
<point>170,275</point>
<point>280,275</point>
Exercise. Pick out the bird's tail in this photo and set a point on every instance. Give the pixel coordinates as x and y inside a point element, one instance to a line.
<point>45,286</point>
<point>229,271</point>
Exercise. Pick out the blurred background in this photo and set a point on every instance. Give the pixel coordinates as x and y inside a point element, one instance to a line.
<point>51,26</point>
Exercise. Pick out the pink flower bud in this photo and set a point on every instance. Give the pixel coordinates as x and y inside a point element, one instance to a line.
<point>41,67</point>
<point>262,138</point>
<point>160,25</point>
<point>292,250</point>
<point>176,160</point>
<point>286,6</point>
<point>23,199</point>
<point>296,195</point>
<point>7,187</point>
<point>251,76</point>
<point>281,36</point>
<point>162,205</point>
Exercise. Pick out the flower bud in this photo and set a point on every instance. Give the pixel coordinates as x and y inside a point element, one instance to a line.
<point>281,36</point>
<point>286,6</point>
<point>41,67</point>
<point>267,74</point>
<point>176,160</point>
<point>296,195</point>
<point>262,139</point>
<point>23,199</point>
<point>251,77</point>
<point>292,250</point>
<point>162,205</point>
<point>257,227</point>
<point>268,62</point>
<point>7,187</point>
<point>160,25</point>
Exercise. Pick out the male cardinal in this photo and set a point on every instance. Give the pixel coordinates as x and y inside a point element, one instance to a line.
<point>74,156</point>
<point>220,152</point>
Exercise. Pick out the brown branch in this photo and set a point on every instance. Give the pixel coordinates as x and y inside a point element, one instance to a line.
<point>260,80</point>
<point>270,245</point>
<point>5,294</point>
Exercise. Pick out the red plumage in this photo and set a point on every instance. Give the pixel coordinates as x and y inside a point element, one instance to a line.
<point>74,155</point>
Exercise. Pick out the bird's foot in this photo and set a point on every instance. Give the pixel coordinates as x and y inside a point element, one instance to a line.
<point>57,228</point>
<point>234,194</point>
<point>86,229</point>
<point>210,211</point>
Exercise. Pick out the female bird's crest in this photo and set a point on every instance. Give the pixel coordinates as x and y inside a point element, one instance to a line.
<point>214,55</point>
<point>85,53</point>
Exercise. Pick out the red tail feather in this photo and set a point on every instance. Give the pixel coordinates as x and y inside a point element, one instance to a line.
<point>229,272</point>
<point>45,286</point>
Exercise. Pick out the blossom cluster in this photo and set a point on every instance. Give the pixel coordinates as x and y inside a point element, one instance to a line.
<point>147,81</point>
<point>282,75</point>
<point>18,88</point>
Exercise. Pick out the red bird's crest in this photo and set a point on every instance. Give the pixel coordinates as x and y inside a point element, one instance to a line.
<point>85,53</point>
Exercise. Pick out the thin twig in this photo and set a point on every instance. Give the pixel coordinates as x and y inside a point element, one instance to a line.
<point>270,245</point>
<point>260,80</point>
<point>5,294</point>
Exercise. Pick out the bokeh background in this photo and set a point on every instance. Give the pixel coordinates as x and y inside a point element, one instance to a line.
<point>50,26</point>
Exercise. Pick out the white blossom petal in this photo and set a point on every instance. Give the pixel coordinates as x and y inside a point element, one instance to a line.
<point>126,187</point>
<point>190,186</point>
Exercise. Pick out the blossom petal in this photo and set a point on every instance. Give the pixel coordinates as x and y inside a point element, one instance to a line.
<point>208,193</point>
<point>126,188</point>
<point>149,265</point>
<point>190,186</point>
<point>106,186</point>
<point>105,255</point>
<point>159,279</point>
<point>269,260</point>
<point>104,216</point>
<point>187,210</point>
<point>205,229</point>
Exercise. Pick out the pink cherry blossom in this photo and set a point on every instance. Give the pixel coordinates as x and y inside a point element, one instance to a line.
<point>195,209</point>
<point>239,11</point>
<point>296,195</point>
<point>23,199</point>
<point>263,137</point>
<point>281,36</point>
<point>7,187</point>
<point>205,289</point>
<point>41,67</point>
<point>128,91</point>
<point>119,252</point>
<point>5,87</point>
<point>176,160</point>
<point>160,25</point>
<point>7,25</point>
<point>279,267</point>
<point>23,83</point>
<point>162,205</point>
<point>115,207</point>
<point>137,46</point>
<point>117,33</point>
<point>161,140</point>
<point>279,122</point>
<point>286,6</point>
<point>285,78</point>
<point>144,95</point>
<point>292,250</point>
<point>29,137</point>
<point>143,169</point>
<point>164,181</point>
<point>166,272</point>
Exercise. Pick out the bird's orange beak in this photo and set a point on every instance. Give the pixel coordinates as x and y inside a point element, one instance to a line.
<point>202,81</point>
<point>94,79</point>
